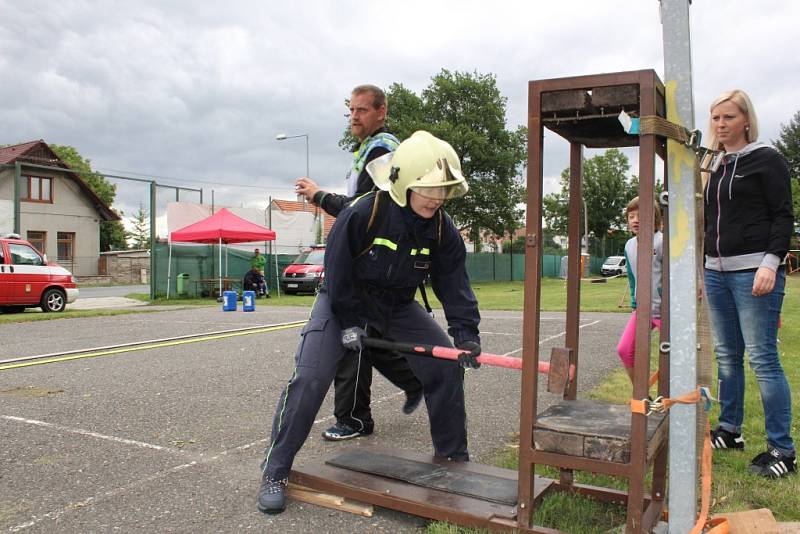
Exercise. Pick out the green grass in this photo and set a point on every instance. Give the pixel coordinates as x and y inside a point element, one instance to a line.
<point>274,300</point>
<point>605,296</point>
<point>34,314</point>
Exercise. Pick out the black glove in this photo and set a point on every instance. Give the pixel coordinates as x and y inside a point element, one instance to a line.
<point>469,358</point>
<point>351,338</point>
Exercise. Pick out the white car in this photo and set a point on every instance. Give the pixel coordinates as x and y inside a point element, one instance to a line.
<point>613,266</point>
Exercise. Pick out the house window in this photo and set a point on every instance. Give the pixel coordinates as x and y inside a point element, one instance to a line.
<point>36,189</point>
<point>66,246</point>
<point>38,240</point>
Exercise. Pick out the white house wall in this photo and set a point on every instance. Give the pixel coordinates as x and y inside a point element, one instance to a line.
<point>6,216</point>
<point>71,211</point>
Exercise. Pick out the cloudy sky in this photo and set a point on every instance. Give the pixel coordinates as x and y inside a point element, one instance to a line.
<point>194,93</point>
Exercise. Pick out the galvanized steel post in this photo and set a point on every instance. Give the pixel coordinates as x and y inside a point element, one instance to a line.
<point>17,192</point>
<point>683,252</point>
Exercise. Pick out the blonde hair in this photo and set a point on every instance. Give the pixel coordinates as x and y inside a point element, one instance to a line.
<point>633,205</point>
<point>742,101</point>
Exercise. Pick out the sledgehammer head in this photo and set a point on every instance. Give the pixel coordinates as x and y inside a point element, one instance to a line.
<point>558,375</point>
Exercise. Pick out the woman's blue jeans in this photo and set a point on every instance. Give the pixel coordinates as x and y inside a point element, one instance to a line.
<point>742,322</point>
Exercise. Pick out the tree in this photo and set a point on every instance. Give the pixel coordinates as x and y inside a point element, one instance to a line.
<point>140,235</point>
<point>468,111</point>
<point>606,190</point>
<point>788,144</point>
<point>112,233</point>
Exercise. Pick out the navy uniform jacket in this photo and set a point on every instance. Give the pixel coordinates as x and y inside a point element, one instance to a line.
<point>396,265</point>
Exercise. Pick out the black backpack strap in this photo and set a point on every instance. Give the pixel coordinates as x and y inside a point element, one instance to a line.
<point>425,299</point>
<point>422,291</point>
<point>379,209</point>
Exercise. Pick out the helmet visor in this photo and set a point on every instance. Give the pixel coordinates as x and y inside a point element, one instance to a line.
<point>379,169</point>
<point>441,192</point>
<point>442,182</point>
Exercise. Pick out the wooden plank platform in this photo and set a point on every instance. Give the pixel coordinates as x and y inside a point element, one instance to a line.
<point>595,430</point>
<point>432,503</point>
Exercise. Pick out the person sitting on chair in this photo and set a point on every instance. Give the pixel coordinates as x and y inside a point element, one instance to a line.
<point>254,281</point>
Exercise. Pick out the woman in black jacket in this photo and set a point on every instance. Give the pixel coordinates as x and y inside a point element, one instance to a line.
<point>748,223</point>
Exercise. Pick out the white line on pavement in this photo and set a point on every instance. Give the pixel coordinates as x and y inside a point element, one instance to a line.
<point>551,337</point>
<point>83,432</point>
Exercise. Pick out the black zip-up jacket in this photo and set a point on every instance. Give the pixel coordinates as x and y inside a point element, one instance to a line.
<point>334,203</point>
<point>748,211</point>
<point>391,271</point>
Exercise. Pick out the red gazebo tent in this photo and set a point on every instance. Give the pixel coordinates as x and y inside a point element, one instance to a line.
<point>221,227</point>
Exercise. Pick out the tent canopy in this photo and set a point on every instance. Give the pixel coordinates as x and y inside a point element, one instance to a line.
<point>222,227</point>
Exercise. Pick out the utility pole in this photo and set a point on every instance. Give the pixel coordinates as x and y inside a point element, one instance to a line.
<point>684,187</point>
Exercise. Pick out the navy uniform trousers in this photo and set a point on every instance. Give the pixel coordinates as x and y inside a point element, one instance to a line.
<point>315,366</point>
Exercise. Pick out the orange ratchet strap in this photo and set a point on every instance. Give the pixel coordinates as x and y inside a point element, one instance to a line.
<point>661,405</point>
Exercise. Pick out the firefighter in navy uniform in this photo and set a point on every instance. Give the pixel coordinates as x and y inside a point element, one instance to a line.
<point>372,292</point>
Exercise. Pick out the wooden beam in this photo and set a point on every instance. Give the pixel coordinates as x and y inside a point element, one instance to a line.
<point>310,496</point>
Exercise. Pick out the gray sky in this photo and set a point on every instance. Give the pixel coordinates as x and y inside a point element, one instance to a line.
<point>194,93</point>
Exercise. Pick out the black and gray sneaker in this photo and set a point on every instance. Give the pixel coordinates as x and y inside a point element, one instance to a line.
<point>272,495</point>
<point>773,464</point>
<point>412,402</point>
<point>722,439</point>
<point>342,431</point>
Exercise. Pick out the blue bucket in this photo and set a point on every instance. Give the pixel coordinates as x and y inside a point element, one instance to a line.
<point>229,300</point>
<point>248,301</point>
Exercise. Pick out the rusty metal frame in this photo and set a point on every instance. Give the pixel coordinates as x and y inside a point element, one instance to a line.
<point>643,510</point>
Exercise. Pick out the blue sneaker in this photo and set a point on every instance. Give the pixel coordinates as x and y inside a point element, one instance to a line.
<point>342,431</point>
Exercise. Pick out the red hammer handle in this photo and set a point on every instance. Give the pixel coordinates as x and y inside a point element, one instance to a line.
<point>447,353</point>
<point>485,358</point>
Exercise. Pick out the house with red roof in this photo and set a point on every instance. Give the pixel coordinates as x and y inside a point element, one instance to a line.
<point>288,206</point>
<point>54,209</point>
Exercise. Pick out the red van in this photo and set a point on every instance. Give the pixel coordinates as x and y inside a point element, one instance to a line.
<point>306,273</point>
<point>28,280</point>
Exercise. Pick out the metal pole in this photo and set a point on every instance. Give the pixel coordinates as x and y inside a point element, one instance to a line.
<point>17,191</point>
<point>308,172</point>
<point>585,227</point>
<point>153,188</point>
<point>683,253</point>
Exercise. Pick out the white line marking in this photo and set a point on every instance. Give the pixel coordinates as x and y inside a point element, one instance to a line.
<point>552,337</point>
<point>91,500</point>
<point>83,432</point>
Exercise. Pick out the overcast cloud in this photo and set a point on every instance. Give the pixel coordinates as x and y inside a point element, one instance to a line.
<point>193,93</point>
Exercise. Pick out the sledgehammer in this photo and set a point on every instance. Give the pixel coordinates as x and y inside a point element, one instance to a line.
<point>558,369</point>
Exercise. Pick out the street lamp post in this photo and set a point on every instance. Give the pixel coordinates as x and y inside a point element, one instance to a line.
<point>283,137</point>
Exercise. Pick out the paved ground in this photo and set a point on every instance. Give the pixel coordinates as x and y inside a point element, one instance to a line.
<point>169,439</point>
<point>111,291</point>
